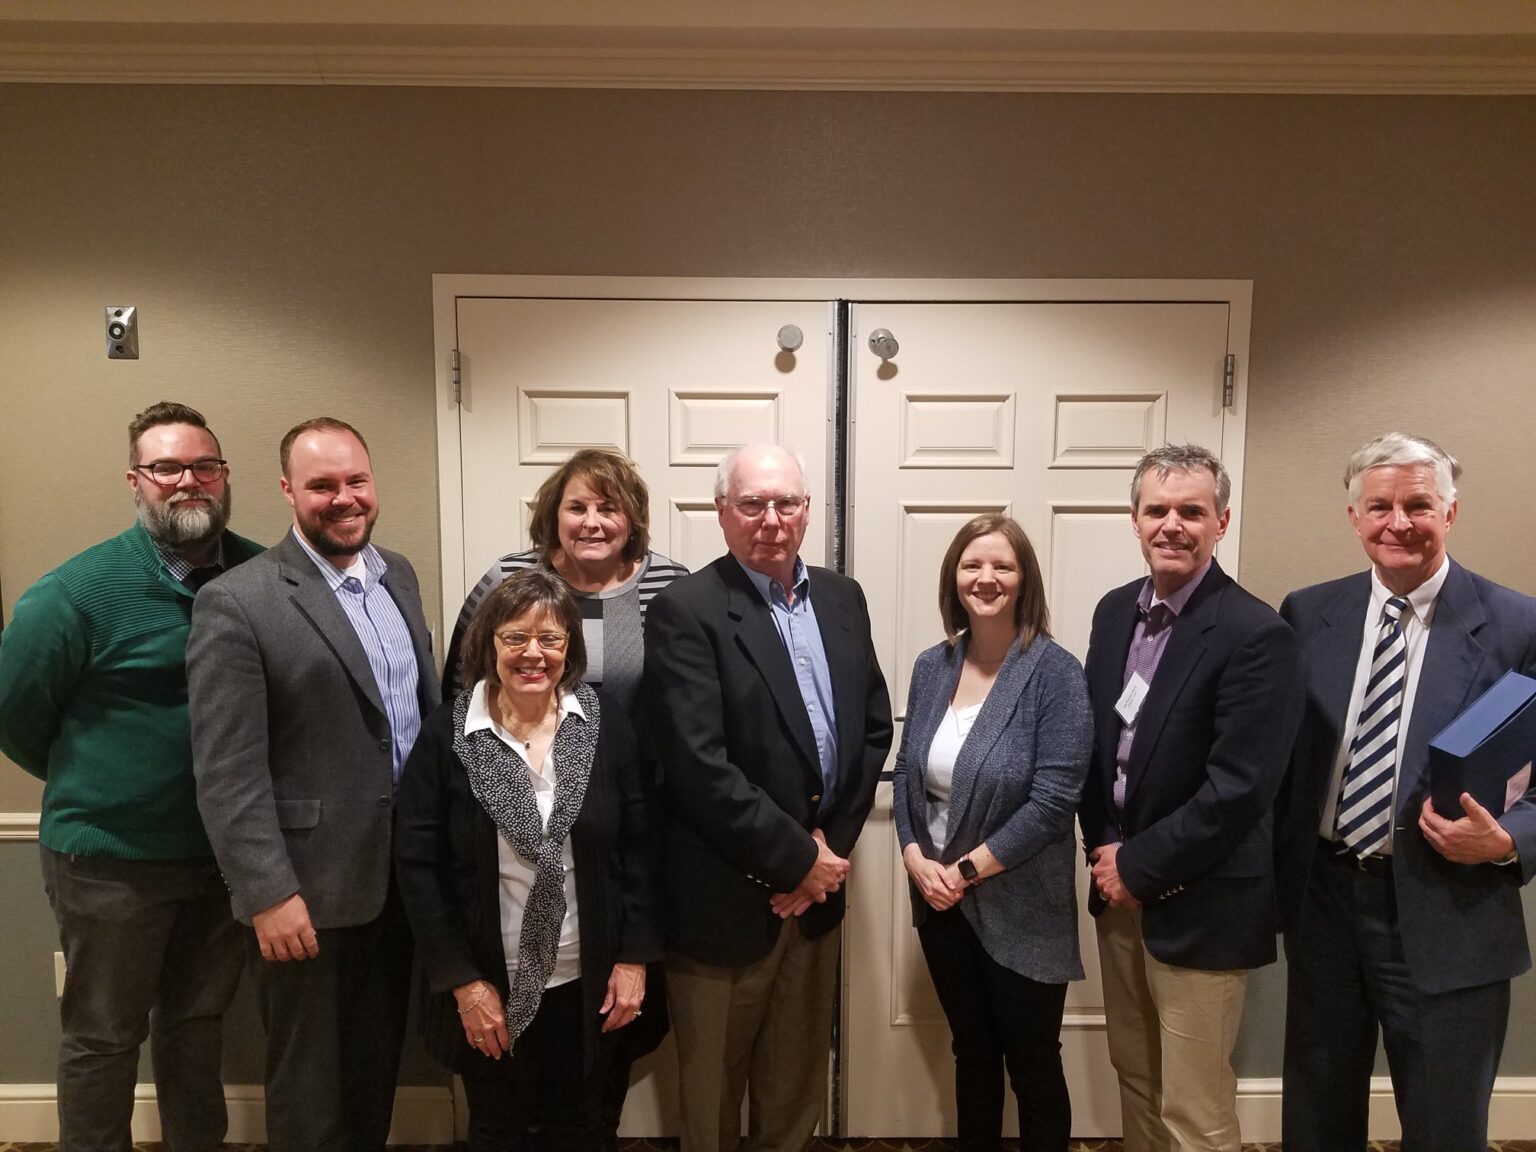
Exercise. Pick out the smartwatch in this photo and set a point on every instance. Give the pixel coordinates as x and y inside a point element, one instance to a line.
<point>968,870</point>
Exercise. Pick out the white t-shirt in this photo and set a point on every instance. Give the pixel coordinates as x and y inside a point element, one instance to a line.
<point>940,776</point>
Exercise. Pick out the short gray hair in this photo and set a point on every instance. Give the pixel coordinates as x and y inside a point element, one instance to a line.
<point>1182,458</point>
<point>1401,449</point>
<point>727,464</point>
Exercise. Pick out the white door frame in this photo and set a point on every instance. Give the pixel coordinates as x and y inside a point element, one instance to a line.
<point>447,288</point>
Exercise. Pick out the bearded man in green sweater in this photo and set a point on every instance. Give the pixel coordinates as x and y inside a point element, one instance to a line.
<point>93,701</point>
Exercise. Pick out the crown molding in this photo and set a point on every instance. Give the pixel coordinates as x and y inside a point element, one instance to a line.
<point>881,61</point>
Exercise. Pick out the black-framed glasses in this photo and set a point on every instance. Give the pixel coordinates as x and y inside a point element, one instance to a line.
<point>168,472</point>
<point>548,641</point>
<point>755,507</point>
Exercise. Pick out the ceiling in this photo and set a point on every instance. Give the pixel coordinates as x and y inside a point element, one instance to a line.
<point>1487,47</point>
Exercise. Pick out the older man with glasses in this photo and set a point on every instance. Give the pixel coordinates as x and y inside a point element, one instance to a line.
<point>93,701</point>
<point>772,722</point>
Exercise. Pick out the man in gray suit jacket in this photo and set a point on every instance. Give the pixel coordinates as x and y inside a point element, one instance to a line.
<point>1398,915</point>
<point>309,677</point>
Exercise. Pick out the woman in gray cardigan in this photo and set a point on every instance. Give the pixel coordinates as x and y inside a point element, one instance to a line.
<point>993,756</point>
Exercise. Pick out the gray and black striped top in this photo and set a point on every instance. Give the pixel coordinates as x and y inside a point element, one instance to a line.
<point>612,622</point>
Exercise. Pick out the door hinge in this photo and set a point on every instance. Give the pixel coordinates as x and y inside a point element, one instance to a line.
<point>453,364</point>
<point>1228,376</point>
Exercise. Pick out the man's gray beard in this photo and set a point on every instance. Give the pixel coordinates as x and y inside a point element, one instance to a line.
<point>177,527</point>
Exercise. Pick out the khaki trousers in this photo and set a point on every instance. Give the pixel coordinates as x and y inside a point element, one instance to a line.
<point>765,1031</point>
<point>1171,1033</point>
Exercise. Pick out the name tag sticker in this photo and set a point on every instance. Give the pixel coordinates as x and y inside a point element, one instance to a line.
<point>1518,783</point>
<point>1131,699</point>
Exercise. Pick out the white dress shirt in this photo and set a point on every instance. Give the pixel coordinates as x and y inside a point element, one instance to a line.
<point>1417,621</point>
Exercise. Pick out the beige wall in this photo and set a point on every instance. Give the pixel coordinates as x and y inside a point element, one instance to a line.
<point>280,242</point>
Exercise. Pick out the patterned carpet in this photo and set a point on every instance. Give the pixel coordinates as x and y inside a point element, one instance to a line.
<point>816,1146</point>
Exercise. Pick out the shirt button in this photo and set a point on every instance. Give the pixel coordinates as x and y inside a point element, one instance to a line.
<point>816,799</point>
<point>383,801</point>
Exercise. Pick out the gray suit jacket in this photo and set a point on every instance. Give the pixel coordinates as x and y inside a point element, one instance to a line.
<point>1016,786</point>
<point>291,745</point>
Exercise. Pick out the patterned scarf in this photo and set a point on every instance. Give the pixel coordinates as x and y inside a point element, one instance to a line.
<point>500,782</point>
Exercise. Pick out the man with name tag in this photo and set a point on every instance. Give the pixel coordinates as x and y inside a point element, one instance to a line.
<point>1397,915</point>
<point>1196,694</point>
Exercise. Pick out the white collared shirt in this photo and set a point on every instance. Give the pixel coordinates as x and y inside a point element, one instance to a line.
<point>1417,621</point>
<point>517,874</point>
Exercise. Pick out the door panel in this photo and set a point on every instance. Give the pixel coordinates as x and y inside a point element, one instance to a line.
<point>673,384</point>
<point>1040,410</point>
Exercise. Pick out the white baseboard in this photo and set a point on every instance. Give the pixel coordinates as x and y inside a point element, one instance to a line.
<point>29,1112</point>
<point>424,1115</point>
<point>1511,1113</point>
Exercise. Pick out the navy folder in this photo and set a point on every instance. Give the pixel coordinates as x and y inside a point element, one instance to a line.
<point>1487,750</point>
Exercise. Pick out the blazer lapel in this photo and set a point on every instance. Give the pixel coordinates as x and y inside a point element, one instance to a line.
<point>834,619</point>
<point>759,639</point>
<point>313,597</point>
<point>1011,680</point>
<point>407,597</point>
<point>1446,679</point>
<point>1108,676</point>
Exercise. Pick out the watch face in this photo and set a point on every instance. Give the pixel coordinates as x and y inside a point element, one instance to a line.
<point>968,870</point>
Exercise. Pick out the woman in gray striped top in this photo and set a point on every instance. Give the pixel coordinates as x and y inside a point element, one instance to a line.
<point>591,526</point>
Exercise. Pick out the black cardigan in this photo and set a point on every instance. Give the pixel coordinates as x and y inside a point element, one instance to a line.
<point>446,864</point>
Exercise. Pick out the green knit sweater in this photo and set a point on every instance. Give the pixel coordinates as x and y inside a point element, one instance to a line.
<point>93,700</point>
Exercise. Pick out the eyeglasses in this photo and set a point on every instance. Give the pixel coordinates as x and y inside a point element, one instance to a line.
<point>547,641</point>
<point>168,472</point>
<point>755,508</point>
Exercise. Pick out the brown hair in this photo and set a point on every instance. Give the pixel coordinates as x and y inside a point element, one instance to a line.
<point>532,589</point>
<point>1031,615</point>
<point>318,424</point>
<point>615,478</point>
<point>165,412</point>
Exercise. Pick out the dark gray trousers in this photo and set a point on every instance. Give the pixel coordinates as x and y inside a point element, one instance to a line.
<point>1346,976</point>
<point>150,950</point>
<point>335,1026</point>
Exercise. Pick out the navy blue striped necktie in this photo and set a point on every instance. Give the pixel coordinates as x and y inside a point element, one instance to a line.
<point>1365,801</point>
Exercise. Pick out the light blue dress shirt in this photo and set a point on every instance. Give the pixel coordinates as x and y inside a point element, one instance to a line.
<point>381,627</point>
<point>801,636</point>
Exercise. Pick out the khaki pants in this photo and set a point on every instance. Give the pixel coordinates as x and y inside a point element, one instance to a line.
<point>1171,1033</point>
<point>764,1030</point>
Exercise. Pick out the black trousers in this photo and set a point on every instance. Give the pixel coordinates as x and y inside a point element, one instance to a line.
<point>335,1025</point>
<point>998,1019</point>
<point>539,1097</point>
<point>1345,977</point>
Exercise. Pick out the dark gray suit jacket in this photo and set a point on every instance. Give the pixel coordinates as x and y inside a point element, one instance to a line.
<point>1462,925</point>
<point>1016,786</point>
<point>290,741</point>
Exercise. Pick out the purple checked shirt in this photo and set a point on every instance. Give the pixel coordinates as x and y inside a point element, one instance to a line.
<point>1154,624</point>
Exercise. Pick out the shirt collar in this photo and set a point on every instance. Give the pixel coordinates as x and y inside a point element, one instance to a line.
<point>800,582</point>
<point>477,717</point>
<point>1175,603</point>
<point>178,566</point>
<point>373,563</point>
<point>1421,599</point>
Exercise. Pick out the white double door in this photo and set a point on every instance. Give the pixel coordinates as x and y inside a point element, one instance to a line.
<point>1036,408</point>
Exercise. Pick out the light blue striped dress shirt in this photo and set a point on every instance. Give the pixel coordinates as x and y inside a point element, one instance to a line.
<point>801,636</point>
<point>381,627</point>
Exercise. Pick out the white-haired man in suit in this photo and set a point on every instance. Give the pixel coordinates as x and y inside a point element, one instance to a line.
<point>1399,917</point>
